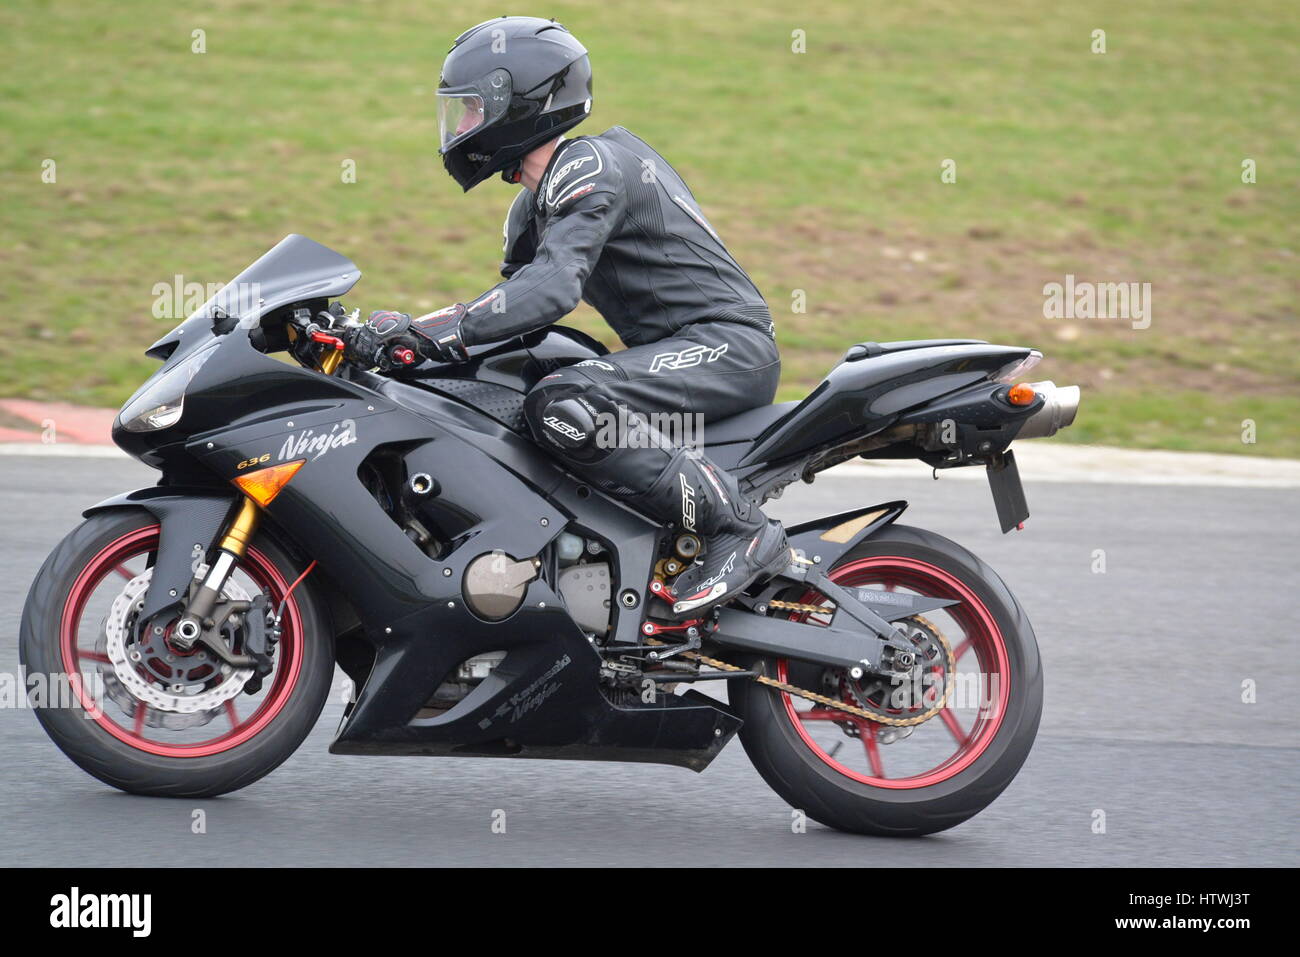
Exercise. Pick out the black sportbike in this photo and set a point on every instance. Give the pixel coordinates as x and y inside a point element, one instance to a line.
<point>484,602</point>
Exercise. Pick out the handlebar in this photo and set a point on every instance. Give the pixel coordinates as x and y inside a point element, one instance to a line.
<point>324,331</point>
<point>337,339</point>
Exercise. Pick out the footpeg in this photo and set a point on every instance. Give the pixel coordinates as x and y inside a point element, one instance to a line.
<point>660,590</point>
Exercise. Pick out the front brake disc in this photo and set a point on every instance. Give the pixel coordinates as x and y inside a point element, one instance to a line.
<point>178,705</point>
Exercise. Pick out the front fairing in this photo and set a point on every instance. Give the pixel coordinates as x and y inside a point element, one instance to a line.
<point>295,269</point>
<point>238,378</point>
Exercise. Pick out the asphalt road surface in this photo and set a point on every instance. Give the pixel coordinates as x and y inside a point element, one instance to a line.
<point>1144,717</point>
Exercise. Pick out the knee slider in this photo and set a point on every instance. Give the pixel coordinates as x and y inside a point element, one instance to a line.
<point>568,423</point>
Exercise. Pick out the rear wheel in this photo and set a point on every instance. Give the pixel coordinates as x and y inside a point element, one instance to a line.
<point>139,713</point>
<point>936,750</point>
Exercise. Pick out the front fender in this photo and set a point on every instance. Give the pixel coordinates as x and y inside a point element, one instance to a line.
<point>189,519</point>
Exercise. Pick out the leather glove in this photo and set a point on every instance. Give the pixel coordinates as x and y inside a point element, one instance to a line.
<point>385,341</point>
<point>440,334</point>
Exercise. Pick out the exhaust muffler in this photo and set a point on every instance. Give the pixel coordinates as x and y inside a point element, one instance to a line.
<point>1060,405</point>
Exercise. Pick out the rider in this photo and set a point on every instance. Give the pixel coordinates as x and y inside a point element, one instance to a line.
<point>607,220</point>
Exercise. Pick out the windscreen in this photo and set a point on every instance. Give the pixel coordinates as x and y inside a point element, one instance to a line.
<point>295,268</point>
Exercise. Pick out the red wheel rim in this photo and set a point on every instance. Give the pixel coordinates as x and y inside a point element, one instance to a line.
<point>288,656</point>
<point>980,636</point>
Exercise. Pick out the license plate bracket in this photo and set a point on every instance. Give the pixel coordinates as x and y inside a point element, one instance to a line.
<point>1008,492</point>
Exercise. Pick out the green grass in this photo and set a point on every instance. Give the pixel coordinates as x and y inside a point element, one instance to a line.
<point>822,169</point>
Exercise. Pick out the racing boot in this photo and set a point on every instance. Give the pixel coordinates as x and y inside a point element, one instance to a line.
<point>740,545</point>
<point>678,486</point>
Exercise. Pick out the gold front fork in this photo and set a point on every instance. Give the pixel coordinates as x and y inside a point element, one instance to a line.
<point>242,528</point>
<point>189,628</point>
<point>329,362</point>
<point>332,353</point>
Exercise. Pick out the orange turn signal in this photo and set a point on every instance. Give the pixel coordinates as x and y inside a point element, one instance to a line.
<point>264,485</point>
<point>1021,394</point>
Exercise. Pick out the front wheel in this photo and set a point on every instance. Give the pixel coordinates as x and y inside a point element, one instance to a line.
<point>931,752</point>
<point>139,713</point>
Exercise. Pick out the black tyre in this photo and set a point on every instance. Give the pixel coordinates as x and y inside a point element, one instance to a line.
<point>93,684</point>
<point>894,778</point>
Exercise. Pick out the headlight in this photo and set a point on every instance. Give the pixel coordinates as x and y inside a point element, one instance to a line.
<point>161,400</point>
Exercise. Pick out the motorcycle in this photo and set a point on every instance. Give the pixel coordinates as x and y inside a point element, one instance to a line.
<point>485,602</point>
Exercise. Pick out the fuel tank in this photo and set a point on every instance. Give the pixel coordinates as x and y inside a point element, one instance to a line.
<point>515,364</point>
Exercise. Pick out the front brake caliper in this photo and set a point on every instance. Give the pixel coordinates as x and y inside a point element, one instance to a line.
<point>259,642</point>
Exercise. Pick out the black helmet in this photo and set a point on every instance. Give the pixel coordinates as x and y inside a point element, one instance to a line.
<point>508,86</point>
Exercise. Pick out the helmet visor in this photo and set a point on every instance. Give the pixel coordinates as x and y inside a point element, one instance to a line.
<point>459,115</point>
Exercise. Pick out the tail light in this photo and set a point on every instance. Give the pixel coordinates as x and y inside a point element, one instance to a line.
<point>1014,370</point>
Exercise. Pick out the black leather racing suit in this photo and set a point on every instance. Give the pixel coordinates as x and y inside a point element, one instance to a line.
<point>613,224</point>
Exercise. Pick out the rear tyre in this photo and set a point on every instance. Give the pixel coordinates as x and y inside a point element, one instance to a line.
<point>960,760</point>
<point>99,720</point>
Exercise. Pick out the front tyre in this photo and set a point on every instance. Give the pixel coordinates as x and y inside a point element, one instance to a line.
<point>137,712</point>
<point>884,776</point>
